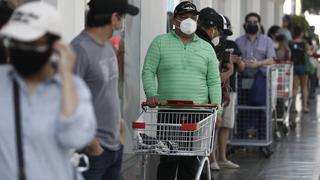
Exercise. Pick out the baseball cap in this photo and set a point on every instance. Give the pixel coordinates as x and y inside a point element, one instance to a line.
<point>185,7</point>
<point>31,21</point>
<point>111,6</point>
<point>210,17</point>
<point>227,26</point>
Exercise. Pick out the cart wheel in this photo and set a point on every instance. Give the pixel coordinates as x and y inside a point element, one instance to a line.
<point>267,152</point>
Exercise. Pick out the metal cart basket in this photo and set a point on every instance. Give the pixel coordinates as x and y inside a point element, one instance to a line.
<point>180,128</point>
<point>284,97</point>
<point>254,124</point>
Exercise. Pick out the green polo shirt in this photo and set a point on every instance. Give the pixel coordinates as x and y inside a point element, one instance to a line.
<point>184,72</point>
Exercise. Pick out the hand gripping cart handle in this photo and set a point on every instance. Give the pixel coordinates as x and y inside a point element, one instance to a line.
<point>179,128</point>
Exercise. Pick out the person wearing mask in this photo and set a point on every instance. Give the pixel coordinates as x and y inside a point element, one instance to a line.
<point>256,49</point>
<point>210,26</point>
<point>279,44</point>
<point>286,28</point>
<point>5,12</point>
<point>298,54</point>
<point>257,52</point>
<point>46,112</point>
<point>97,65</point>
<point>232,51</point>
<point>187,69</point>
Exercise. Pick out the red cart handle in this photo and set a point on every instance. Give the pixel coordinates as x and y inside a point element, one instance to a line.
<point>182,103</point>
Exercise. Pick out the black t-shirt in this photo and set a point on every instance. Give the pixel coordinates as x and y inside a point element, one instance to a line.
<point>232,48</point>
<point>297,52</point>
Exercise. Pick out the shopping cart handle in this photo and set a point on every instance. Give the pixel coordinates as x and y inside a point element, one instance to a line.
<point>175,103</point>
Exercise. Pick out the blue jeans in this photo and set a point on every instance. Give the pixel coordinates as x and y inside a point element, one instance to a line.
<point>107,166</point>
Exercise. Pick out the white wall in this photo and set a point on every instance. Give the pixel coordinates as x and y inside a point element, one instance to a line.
<point>267,13</point>
<point>72,14</point>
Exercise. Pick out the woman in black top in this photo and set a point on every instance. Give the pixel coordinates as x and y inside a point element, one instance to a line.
<point>298,52</point>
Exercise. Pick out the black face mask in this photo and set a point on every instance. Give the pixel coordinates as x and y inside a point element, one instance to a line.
<point>28,62</point>
<point>252,28</point>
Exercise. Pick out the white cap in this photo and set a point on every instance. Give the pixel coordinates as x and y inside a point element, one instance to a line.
<point>31,21</point>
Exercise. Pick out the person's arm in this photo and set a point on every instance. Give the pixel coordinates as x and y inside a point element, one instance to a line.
<point>150,69</point>
<point>81,69</point>
<point>225,75</point>
<point>214,81</point>
<point>77,122</point>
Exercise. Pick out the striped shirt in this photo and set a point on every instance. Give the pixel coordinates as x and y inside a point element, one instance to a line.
<point>184,72</point>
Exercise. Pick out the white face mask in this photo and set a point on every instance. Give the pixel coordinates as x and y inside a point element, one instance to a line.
<point>216,41</point>
<point>188,26</point>
<point>116,32</point>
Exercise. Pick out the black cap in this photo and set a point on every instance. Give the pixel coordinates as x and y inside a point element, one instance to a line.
<point>211,18</point>
<point>228,30</point>
<point>185,7</point>
<point>111,6</point>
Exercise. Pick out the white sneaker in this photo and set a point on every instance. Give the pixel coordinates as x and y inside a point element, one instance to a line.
<point>228,165</point>
<point>214,166</point>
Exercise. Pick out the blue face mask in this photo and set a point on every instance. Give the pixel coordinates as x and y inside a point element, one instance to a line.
<point>252,28</point>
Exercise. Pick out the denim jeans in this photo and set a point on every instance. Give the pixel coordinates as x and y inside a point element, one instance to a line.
<point>107,166</point>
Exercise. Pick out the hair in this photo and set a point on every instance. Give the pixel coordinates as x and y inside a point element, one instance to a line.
<point>52,38</point>
<point>254,15</point>
<point>98,20</point>
<point>5,12</point>
<point>296,31</point>
<point>273,30</point>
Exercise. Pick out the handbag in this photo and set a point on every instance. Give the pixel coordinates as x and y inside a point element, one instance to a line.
<point>21,169</point>
<point>18,130</point>
<point>258,91</point>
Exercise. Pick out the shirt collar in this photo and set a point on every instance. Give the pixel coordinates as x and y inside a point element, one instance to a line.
<point>194,39</point>
<point>258,36</point>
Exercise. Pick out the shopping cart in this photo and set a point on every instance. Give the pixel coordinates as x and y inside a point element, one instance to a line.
<point>254,124</point>
<point>179,128</point>
<point>284,97</point>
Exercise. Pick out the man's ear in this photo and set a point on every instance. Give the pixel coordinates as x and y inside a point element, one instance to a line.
<point>244,26</point>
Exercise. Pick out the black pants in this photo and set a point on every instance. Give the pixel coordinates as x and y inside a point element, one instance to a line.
<point>182,167</point>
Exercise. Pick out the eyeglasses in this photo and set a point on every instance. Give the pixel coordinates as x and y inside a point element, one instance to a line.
<point>9,43</point>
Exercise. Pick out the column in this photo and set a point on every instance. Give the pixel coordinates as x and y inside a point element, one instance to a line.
<point>73,15</point>
<point>253,6</point>
<point>232,9</point>
<point>202,3</point>
<point>278,11</point>
<point>267,13</point>
<point>140,31</point>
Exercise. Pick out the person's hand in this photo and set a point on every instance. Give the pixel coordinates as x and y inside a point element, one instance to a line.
<point>234,58</point>
<point>67,57</point>
<point>122,132</point>
<point>218,120</point>
<point>153,101</point>
<point>268,62</point>
<point>94,149</point>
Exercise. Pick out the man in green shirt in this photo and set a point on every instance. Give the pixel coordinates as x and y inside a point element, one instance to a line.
<point>186,68</point>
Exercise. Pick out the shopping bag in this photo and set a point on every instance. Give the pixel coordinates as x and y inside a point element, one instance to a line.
<point>258,91</point>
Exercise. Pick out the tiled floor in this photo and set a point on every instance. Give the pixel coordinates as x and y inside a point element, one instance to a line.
<point>296,157</point>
